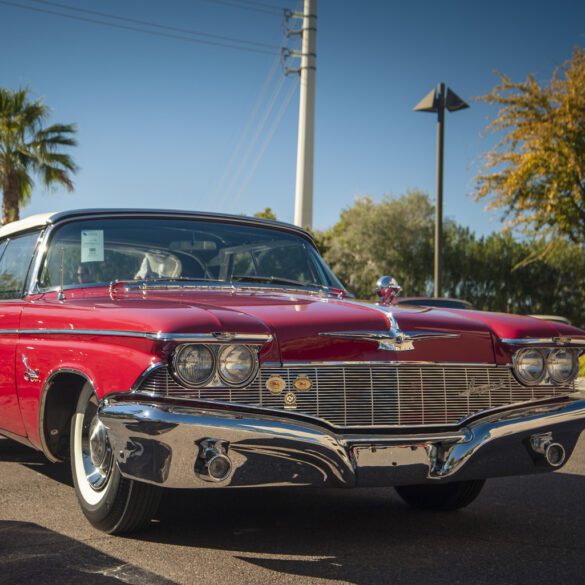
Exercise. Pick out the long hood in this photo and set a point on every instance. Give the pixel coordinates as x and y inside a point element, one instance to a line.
<point>303,327</point>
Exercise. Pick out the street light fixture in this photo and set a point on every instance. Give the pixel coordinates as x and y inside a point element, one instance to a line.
<point>437,100</point>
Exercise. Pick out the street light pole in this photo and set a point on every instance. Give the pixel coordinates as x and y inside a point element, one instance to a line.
<point>437,100</point>
<point>438,276</point>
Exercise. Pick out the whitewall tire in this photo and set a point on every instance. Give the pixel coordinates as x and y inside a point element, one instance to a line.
<point>109,501</point>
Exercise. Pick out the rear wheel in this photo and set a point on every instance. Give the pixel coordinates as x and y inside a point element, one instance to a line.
<point>109,501</point>
<point>441,497</point>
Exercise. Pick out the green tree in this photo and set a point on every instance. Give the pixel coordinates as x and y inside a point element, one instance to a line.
<point>266,214</point>
<point>536,173</point>
<point>395,237</point>
<point>28,147</point>
<point>391,237</point>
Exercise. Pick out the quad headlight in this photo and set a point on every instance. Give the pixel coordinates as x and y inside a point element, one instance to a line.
<point>237,364</point>
<point>194,365</point>
<point>530,366</point>
<point>534,366</point>
<point>562,365</point>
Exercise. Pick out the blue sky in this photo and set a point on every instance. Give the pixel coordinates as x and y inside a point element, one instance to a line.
<point>160,119</point>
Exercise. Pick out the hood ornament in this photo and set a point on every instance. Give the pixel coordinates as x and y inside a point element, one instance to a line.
<point>387,289</point>
<point>394,339</point>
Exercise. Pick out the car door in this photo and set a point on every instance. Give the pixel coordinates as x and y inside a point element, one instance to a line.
<point>15,260</point>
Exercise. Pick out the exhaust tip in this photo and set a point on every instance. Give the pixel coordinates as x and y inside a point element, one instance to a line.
<point>212,462</point>
<point>555,454</point>
<point>219,467</point>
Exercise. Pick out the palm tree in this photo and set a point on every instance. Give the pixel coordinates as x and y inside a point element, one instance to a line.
<point>27,147</point>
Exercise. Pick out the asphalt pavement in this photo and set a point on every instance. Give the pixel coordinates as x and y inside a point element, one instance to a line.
<point>521,530</point>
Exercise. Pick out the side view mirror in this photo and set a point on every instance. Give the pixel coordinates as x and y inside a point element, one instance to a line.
<point>387,289</point>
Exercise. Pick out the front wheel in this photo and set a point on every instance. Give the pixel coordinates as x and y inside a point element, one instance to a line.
<point>109,501</point>
<point>441,497</point>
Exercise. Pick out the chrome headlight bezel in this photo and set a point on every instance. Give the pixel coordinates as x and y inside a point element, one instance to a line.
<point>252,352</point>
<point>516,365</point>
<point>175,369</point>
<point>574,366</point>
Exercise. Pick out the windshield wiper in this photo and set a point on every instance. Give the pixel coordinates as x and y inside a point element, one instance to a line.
<point>275,280</point>
<point>171,279</point>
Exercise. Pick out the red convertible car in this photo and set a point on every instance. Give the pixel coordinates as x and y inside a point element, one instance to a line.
<point>169,349</point>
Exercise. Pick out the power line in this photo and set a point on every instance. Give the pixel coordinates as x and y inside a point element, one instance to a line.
<point>256,6</point>
<point>231,164</point>
<point>259,4</point>
<point>274,126</point>
<point>154,24</point>
<point>254,139</point>
<point>141,30</point>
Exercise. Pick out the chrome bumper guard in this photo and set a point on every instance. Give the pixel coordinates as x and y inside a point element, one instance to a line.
<point>184,447</point>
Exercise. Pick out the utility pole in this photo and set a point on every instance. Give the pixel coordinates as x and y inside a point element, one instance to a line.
<point>436,101</point>
<point>306,137</point>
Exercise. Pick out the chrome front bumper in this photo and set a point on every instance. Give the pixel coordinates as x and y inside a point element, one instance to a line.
<point>171,446</point>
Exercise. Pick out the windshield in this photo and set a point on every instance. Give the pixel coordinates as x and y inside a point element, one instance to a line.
<point>100,251</point>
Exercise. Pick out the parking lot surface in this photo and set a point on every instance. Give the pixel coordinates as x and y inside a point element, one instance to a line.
<point>520,530</point>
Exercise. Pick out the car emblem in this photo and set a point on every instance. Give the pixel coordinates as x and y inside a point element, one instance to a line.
<point>275,385</point>
<point>303,383</point>
<point>474,389</point>
<point>30,375</point>
<point>290,401</point>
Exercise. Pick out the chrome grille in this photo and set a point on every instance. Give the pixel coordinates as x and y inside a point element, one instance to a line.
<point>377,395</point>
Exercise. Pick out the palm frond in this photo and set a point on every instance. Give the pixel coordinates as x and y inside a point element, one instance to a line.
<point>27,146</point>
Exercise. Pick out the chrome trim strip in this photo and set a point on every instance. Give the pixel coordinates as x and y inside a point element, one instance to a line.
<point>37,263</point>
<point>379,363</point>
<point>214,337</point>
<point>555,341</point>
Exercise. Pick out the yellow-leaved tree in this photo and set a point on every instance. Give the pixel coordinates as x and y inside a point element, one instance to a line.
<point>536,173</point>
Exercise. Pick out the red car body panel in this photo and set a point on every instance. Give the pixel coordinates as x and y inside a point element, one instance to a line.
<point>10,417</point>
<point>113,364</point>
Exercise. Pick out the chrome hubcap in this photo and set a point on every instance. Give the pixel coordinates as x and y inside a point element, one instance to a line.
<point>97,442</point>
<point>96,450</point>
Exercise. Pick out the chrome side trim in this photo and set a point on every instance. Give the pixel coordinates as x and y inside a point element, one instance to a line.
<point>214,337</point>
<point>555,341</point>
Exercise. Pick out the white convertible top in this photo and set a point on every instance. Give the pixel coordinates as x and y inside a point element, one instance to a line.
<point>33,221</point>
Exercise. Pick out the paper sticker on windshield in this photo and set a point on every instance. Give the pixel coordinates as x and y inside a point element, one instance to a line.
<point>92,245</point>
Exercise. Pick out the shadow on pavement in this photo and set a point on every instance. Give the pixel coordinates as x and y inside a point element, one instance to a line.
<point>32,554</point>
<point>520,530</point>
<point>11,451</point>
